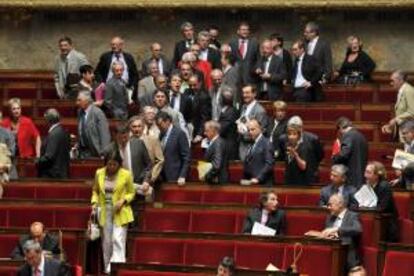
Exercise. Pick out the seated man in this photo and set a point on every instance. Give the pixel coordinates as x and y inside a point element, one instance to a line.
<point>338,186</point>
<point>267,214</point>
<point>37,264</point>
<point>344,225</point>
<point>47,242</point>
<point>226,267</point>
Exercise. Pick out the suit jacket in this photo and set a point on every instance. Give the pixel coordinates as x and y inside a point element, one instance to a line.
<point>327,191</point>
<point>116,97</point>
<point>140,160</point>
<point>214,58</point>
<point>274,133</point>
<point>49,243</point>
<point>124,190</point>
<point>259,162</point>
<point>276,220</point>
<point>155,153</point>
<point>323,55</point>
<point>354,155</point>
<point>287,61</point>
<point>104,65</point>
<point>216,154</point>
<point>231,78</point>
<point>249,61</point>
<point>277,71</point>
<point>96,131</point>
<point>185,106</point>
<point>200,104</point>
<point>349,234</point>
<point>177,155</point>
<point>55,158</point>
<point>312,72</point>
<point>7,138</point>
<point>52,267</point>
<point>179,50</point>
<point>166,66</point>
<point>404,106</point>
<point>228,130</point>
<point>146,89</point>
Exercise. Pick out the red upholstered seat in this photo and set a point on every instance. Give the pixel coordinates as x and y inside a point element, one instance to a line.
<point>370,257</point>
<point>218,196</point>
<point>402,202</point>
<point>235,173</point>
<point>252,198</point>
<point>57,192</point>
<point>315,261</point>
<point>299,223</point>
<point>7,243</point>
<point>207,252</point>
<point>181,196</point>
<point>258,255</point>
<point>166,220</point>
<point>83,192</point>
<point>8,270</point>
<point>398,263</point>
<point>367,223</point>
<point>125,272</point>
<point>23,216</point>
<point>3,216</point>
<point>213,221</point>
<point>152,250</point>
<point>71,246</point>
<point>304,199</point>
<point>72,217</point>
<point>14,191</point>
<point>406,230</point>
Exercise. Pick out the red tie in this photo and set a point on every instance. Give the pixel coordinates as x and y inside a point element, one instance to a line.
<point>241,48</point>
<point>37,272</point>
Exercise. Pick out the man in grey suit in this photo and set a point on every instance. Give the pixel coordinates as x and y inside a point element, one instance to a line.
<point>270,72</point>
<point>175,145</point>
<point>93,128</point>
<point>246,51</point>
<point>258,164</point>
<point>250,110</point>
<point>164,66</point>
<point>146,86</point>
<point>216,154</point>
<point>116,93</point>
<point>67,65</point>
<point>338,186</point>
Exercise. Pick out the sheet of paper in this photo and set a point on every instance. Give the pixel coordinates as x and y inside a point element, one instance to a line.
<point>366,197</point>
<point>402,159</point>
<point>272,267</point>
<point>203,168</point>
<point>262,230</point>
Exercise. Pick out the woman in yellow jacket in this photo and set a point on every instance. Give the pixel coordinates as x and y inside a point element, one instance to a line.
<point>112,194</point>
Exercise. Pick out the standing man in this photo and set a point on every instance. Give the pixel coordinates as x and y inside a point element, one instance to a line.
<point>176,149</point>
<point>206,52</point>
<point>116,96</point>
<point>353,152</point>
<point>216,154</point>
<point>67,66</point>
<point>215,93</point>
<point>258,164</point>
<point>104,71</point>
<point>306,74</point>
<point>55,157</point>
<point>93,128</point>
<point>214,33</point>
<point>404,106</point>
<point>183,46</point>
<point>246,51</point>
<point>164,66</point>
<point>146,86</point>
<point>278,50</point>
<point>271,73</point>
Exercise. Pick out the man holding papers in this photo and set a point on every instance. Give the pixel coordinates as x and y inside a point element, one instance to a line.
<point>267,219</point>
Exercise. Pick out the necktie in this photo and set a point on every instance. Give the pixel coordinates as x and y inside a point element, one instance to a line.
<point>37,272</point>
<point>117,56</point>
<point>241,48</point>
<point>172,103</point>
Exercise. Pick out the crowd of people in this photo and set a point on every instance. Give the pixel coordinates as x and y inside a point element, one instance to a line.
<point>208,96</point>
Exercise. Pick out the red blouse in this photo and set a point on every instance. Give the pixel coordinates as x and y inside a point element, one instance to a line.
<point>27,134</point>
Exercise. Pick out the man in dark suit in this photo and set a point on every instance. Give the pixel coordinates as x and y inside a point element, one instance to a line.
<point>179,102</point>
<point>54,159</point>
<point>93,128</point>
<point>207,53</point>
<point>320,49</point>
<point>277,126</point>
<point>338,186</point>
<point>227,119</point>
<point>116,97</point>
<point>246,51</point>
<point>278,50</point>
<point>258,164</point>
<point>164,66</point>
<point>306,74</point>
<point>200,104</point>
<point>176,149</point>
<point>104,72</point>
<point>267,214</point>
<point>353,153</point>
<point>183,46</point>
<point>36,263</point>
<point>214,32</point>
<point>216,154</point>
<point>46,241</point>
<point>271,73</point>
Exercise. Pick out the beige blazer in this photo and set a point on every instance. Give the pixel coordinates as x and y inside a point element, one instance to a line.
<point>404,107</point>
<point>155,152</point>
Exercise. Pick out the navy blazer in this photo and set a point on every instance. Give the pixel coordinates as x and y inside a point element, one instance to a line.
<point>259,162</point>
<point>327,191</point>
<point>276,220</point>
<point>216,154</point>
<point>277,72</point>
<point>177,155</point>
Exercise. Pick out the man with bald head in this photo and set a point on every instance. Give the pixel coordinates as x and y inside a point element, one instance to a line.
<point>157,56</point>
<point>258,164</point>
<point>104,72</point>
<point>37,233</point>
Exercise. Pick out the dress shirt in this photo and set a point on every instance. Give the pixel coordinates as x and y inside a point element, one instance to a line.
<point>246,44</point>
<point>160,66</point>
<point>40,269</point>
<point>275,124</point>
<point>203,55</point>
<point>266,71</point>
<point>177,98</point>
<point>408,146</point>
<point>126,156</point>
<point>299,80</point>
<point>312,45</point>
<point>265,217</point>
<point>166,136</point>
<point>338,222</point>
<point>121,59</point>
<point>248,109</point>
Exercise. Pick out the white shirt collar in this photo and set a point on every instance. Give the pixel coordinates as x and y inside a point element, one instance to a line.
<point>41,266</point>
<point>53,127</point>
<point>341,214</point>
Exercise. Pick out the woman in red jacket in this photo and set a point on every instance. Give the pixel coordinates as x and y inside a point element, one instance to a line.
<point>27,136</point>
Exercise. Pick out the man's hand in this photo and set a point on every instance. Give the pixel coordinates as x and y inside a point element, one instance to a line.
<point>387,129</point>
<point>181,181</point>
<point>145,186</point>
<point>307,84</point>
<point>259,71</point>
<point>197,139</point>
<point>265,76</point>
<point>254,181</point>
<point>330,233</point>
